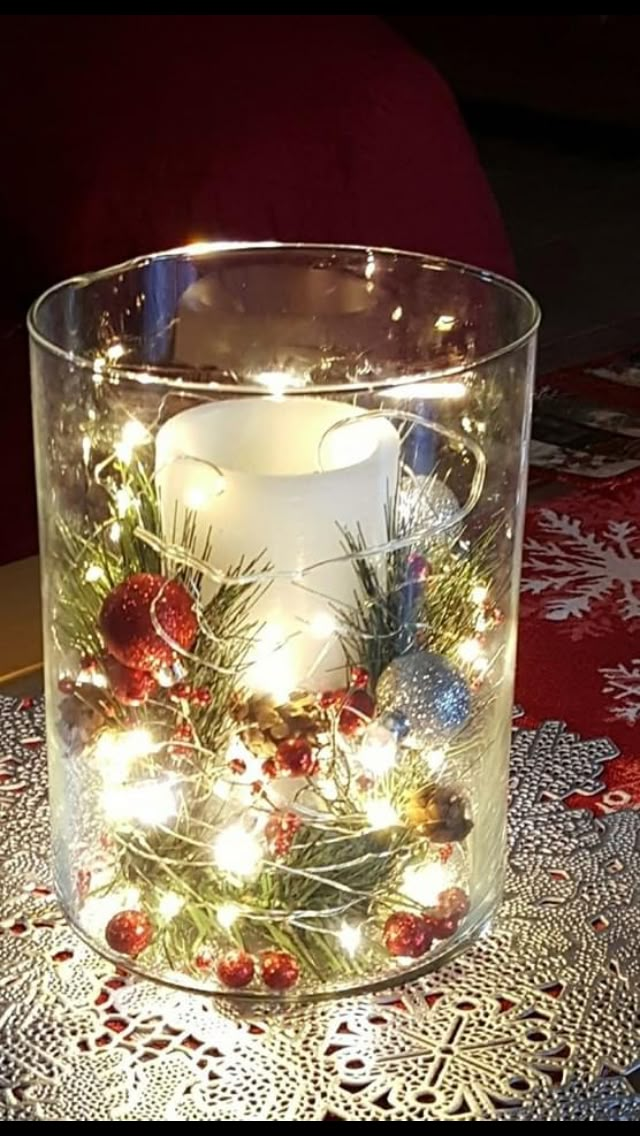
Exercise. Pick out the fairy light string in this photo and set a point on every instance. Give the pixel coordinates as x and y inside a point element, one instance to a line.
<point>188,824</point>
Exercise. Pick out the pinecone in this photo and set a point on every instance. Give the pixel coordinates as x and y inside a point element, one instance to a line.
<point>82,712</point>
<point>265,724</point>
<point>442,814</point>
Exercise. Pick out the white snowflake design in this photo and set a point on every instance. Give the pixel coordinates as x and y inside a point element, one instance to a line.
<point>575,570</point>
<point>623,682</point>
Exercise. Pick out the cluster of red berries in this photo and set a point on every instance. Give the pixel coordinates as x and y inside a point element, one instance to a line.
<point>407,935</point>
<point>278,969</point>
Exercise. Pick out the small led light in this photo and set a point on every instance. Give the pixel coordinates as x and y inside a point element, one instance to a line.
<point>133,434</point>
<point>150,803</point>
<point>115,751</point>
<point>397,313</point>
<point>469,650</point>
<point>479,594</point>
<point>115,532</point>
<point>323,625</point>
<point>424,884</point>
<point>115,352</point>
<point>237,852</point>
<point>277,382</point>
<point>124,500</point>
<point>378,750</point>
<point>227,914</point>
<point>350,938</point>
<point>170,905</point>
<point>197,496</point>
<point>381,814</point>
<point>94,573</point>
<point>435,759</point>
<point>86,448</point>
<point>445,323</point>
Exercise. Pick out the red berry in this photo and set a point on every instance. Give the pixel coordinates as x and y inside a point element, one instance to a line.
<point>358,677</point>
<point>295,758</point>
<point>441,927</point>
<point>130,687</point>
<point>204,960</point>
<point>201,696</point>
<point>183,732</point>
<point>235,969</point>
<point>181,692</point>
<point>280,831</point>
<point>129,932</point>
<point>238,766</point>
<point>453,903</point>
<point>279,969</point>
<point>407,935</point>
<point>357,711</point>
<point>331,697</point>
<point>133,610</point>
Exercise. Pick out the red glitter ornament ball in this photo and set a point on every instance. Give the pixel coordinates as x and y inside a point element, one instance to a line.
<point>130,687</point>
<point>407,935</point>
<point>127,621</point>
<point>129,932</point>
<point>235,969</point>
<point>280,831</point>
<point>453,903</point>
<point>294,758</point>
<point>357,711</point>
<point>279,969</point>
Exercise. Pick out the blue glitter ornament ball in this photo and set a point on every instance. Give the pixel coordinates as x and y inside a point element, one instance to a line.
<point>425,688</point>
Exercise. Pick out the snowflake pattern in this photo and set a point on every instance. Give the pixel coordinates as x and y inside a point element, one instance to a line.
<point>623,682</point>
<point>537,1021</point>
<point>582,573</point>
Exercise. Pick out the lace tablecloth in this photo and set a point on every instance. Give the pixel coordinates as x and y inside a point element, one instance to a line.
<point>538,1021</point>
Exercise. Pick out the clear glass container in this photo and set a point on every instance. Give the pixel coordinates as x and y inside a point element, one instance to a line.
<point>281,496</point>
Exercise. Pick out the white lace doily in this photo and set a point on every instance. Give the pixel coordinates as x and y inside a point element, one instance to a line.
<point>539,1021</point>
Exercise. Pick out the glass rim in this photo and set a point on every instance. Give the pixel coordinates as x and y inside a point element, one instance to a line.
<point>170,377</point>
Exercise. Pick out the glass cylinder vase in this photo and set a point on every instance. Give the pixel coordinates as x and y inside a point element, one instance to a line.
<point>281,495</point>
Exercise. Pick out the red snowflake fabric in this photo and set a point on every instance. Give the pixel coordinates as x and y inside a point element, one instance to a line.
<point>579,646</point>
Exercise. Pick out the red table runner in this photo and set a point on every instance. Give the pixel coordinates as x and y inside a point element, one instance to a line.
<point>579,652</point>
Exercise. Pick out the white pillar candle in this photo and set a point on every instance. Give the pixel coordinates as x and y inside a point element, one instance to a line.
<point>278,478</point>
